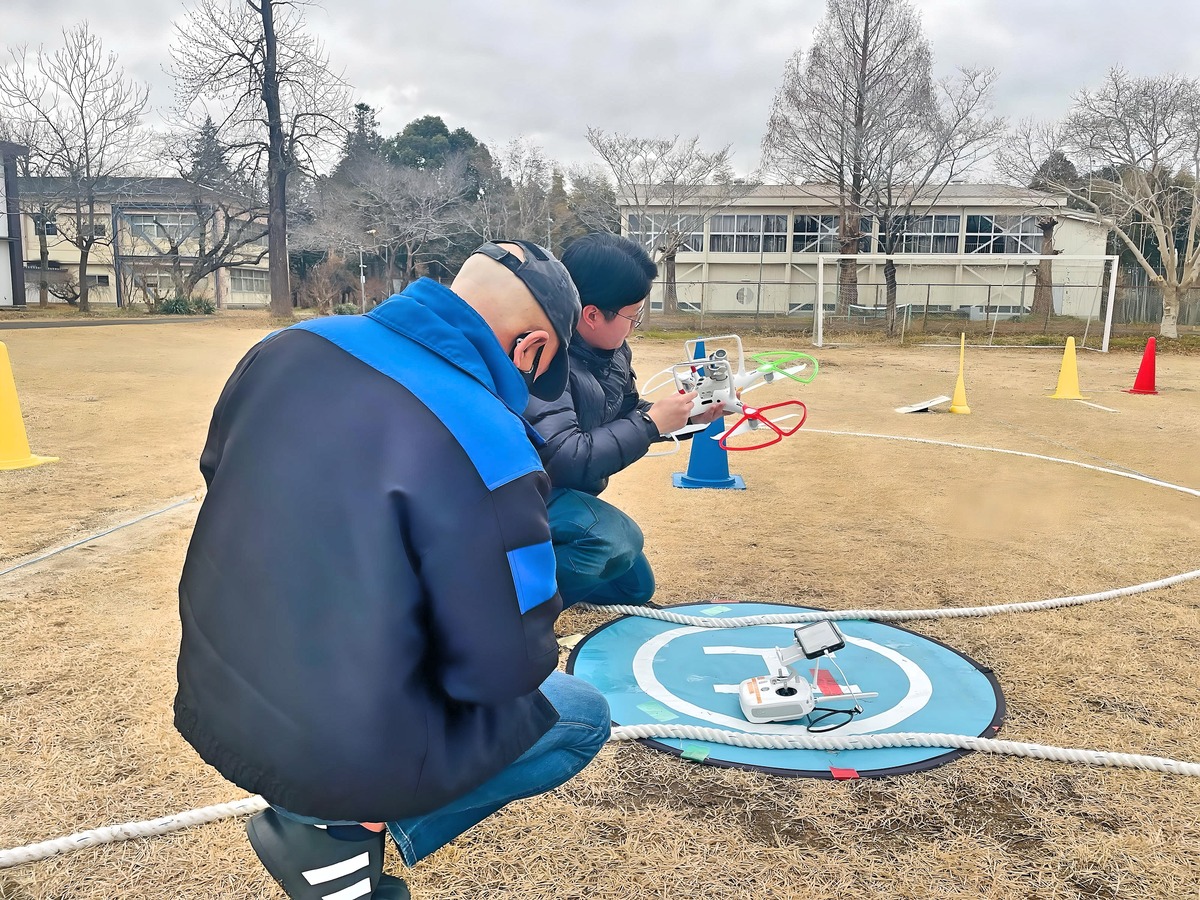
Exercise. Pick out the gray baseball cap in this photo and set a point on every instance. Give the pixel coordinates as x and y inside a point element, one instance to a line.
<point>551,285</point>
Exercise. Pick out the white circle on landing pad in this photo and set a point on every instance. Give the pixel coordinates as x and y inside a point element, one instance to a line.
<point>659,672</point>
<point>920,688</point>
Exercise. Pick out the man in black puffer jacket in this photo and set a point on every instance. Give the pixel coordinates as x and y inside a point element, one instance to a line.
<point>600,425</point>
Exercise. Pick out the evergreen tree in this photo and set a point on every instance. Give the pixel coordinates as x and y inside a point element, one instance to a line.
<point>426,143</point>
<point>207,160</point>
<point>363,142</point>
<point>1055,170</point>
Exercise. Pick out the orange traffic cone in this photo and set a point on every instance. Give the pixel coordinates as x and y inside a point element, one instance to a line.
<point>14,446</point>
<point>1144,383</point>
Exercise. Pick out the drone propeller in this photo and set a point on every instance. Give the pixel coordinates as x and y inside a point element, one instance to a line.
<point>769,377</point>
<point>778,362</point>
<point>650,388</point>
<point>753,420</point>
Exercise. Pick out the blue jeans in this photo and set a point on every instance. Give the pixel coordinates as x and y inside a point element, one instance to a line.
<point>560,753</point>
<point>597,551</point>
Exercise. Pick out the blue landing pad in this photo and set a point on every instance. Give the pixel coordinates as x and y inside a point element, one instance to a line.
<point>660,672</point>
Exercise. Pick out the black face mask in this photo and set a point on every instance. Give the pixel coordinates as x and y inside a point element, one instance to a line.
<point>530,376</point>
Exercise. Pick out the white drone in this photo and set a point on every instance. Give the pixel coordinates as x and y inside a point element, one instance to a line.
<point>717,380</point>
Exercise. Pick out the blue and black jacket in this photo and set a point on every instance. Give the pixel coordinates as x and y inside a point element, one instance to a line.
<point>368,599</point>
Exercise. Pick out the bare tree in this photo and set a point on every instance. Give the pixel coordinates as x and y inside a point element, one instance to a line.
<point>277,103</point>
<point>86,118</point>
<point>205,220</point>
<point>1138,140</point>
<point>593,200</point>
<point>670,188</point>
<point>842,108</point>
<point>525,166</point>
<point>398,212</point>
<point>522,195</point>
<point>931,146</point>
<point>1043,284</point>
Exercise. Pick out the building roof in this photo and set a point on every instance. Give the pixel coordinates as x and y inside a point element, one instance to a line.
<point>955,194</point>
<point>129,189</point>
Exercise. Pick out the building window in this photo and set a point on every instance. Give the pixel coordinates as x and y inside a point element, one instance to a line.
<point>929,234</point>
<point>93,229</point>
<point>819,234</point>
<point>1003,234</point>
<point>249,281</point>
<point>44,225</point>
<point>154,282</point>
<point>251,233</point>
<point>747,234</point>
<point>98,280</point>
<point>162,226</point>
<point>815,234</point>
<point>648,230</point>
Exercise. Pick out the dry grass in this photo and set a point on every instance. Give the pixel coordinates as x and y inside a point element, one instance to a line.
<point>87,639</point>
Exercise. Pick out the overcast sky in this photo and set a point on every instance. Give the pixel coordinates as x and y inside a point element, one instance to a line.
<point>548,69</point>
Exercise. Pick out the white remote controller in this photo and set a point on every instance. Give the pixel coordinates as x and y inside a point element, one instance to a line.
<point>776,698</point>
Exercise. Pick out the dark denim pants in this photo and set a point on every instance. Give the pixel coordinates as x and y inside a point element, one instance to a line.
<point>597,551</point>
<point>563,751</point>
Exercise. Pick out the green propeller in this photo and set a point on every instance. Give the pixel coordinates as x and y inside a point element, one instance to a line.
<point>777,362</point>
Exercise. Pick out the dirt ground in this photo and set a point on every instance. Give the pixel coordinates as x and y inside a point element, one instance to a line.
<point>88,637</point>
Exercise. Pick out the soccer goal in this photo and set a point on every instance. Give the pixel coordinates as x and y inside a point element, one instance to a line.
<point>1073,296</point>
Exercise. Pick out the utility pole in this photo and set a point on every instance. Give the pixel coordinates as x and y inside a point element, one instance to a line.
<point>362,277</point>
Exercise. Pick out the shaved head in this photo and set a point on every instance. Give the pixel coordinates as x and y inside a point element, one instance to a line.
<point>504,302</point>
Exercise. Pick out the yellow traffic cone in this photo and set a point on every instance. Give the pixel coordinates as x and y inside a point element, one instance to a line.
<point>1068,376</point>
<point>14,446</point>
<point>959,403</point>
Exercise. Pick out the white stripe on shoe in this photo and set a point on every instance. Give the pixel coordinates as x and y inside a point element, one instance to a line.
<point>338,870</point>
<point>362,889</point>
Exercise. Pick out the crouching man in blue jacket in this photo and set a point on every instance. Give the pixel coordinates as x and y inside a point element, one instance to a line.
<point>368,599</point>
<point>600,425</point>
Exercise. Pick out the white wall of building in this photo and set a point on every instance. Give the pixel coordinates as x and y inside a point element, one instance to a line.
<point>994,277</point>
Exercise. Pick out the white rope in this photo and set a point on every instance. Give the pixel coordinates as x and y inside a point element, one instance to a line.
<point>35,852</point>
<point>907,739</point>
<point>114,833</point>
<point>889,615</point>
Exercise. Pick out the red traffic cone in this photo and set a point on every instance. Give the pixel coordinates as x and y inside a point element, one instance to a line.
<point>1144,383</point>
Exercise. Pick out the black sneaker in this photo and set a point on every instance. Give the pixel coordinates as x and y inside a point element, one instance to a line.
<point>311,864</point>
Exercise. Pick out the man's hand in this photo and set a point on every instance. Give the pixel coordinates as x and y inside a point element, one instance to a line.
<point>714,412</point>
<point>671,412</point>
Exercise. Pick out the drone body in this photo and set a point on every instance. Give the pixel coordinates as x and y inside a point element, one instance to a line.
<point>717,379</point>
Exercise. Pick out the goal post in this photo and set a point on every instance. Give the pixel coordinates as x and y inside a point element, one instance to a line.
<point>984,270</point>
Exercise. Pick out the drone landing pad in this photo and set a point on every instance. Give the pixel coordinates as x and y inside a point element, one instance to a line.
<point>660,672</point>
<point>923,406</point>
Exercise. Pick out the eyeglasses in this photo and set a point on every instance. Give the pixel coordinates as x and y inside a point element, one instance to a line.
<point>636,320</point>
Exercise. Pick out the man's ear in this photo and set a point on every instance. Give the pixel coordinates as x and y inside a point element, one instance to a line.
<point>527,349</point>
<point>592,315</point>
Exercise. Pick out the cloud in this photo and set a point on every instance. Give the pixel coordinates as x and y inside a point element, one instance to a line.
<point>548,69</point>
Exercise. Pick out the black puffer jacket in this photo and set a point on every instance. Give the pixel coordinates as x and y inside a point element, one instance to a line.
<point>596,428</point>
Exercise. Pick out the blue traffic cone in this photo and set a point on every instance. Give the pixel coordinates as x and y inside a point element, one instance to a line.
<point>708,463</point>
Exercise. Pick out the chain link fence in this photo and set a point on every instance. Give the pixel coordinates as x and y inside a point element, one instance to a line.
<point>923,308</point>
